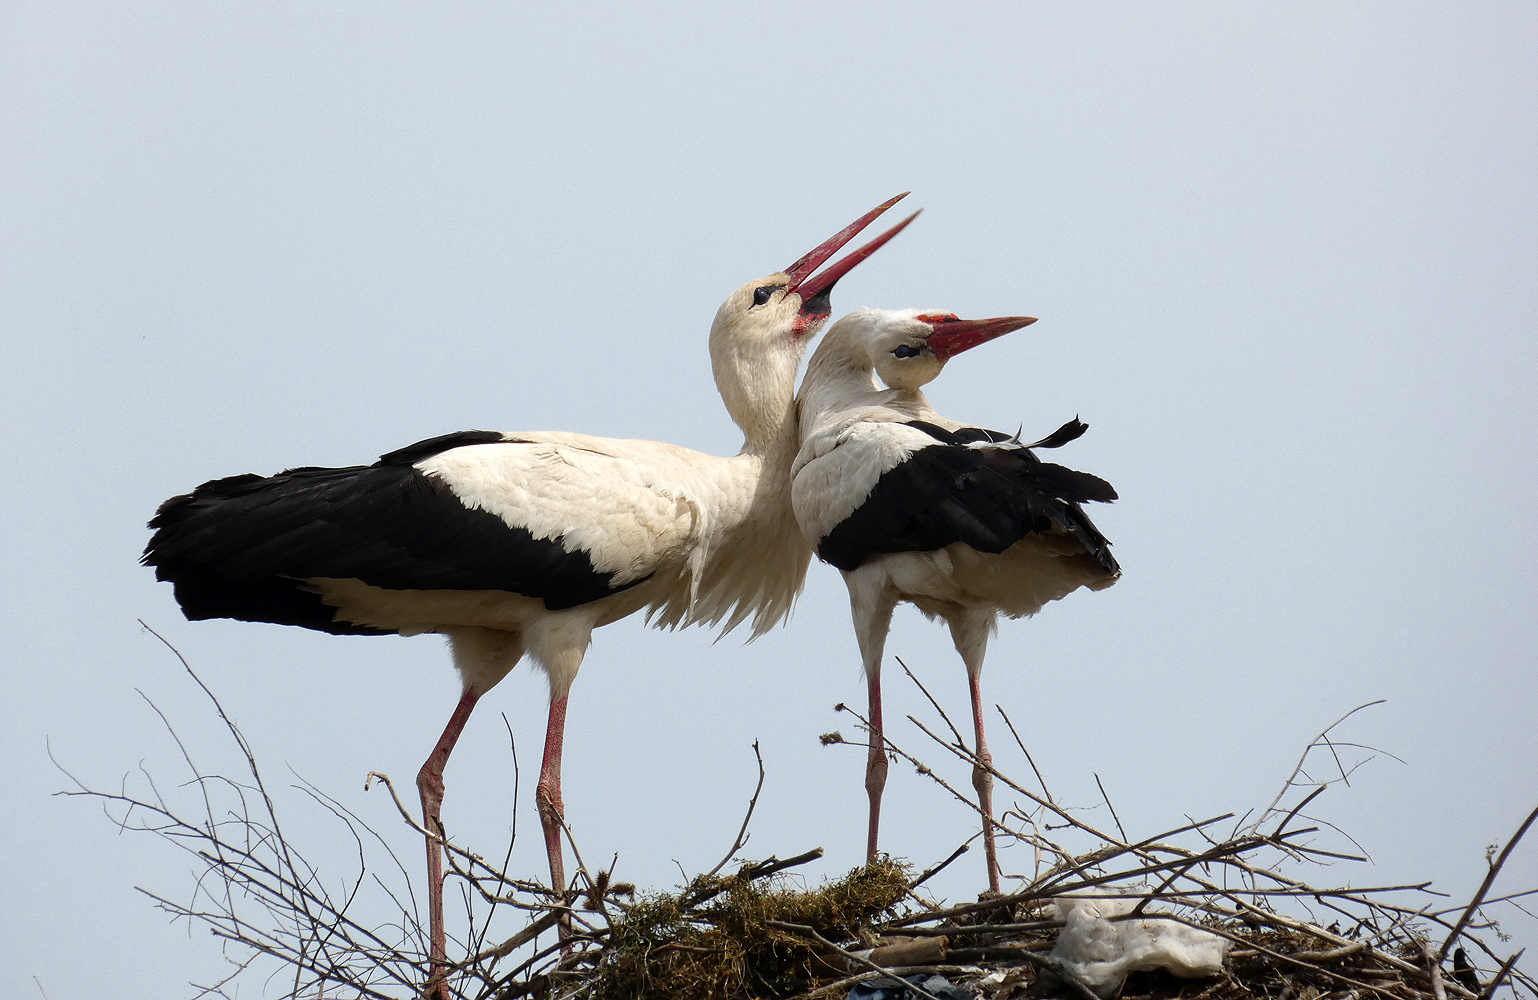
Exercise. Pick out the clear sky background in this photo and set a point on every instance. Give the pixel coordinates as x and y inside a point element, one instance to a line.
<point>1286,267</point>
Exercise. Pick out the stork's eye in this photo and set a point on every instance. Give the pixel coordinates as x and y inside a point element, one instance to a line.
<point>904,351</point>
<point>762,294</point>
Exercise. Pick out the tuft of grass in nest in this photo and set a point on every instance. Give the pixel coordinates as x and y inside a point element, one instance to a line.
<point>712,940</point>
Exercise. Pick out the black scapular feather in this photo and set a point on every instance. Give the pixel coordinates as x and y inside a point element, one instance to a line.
<point>972,486</point>
<point>243,547</point>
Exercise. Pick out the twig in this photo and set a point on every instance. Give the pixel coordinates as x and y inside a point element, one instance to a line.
<point>475,861</point>
<point>742,834</point>
<point>937,869</point>
<point>840,985</point>
<point>1484,886</point>
<point>920,685</point>
<point>1119,828</point>
<point>895,972</point>
<point>1289,783</point>
<point>1297,809</point>
<point>1434,972</point>
<point>587,876</point>
<point>1060,969</point>
<point>523,937</point>
<point>811,933</point>
<point>773,866</point>
<point>1028,758</point>
<point>972,930</point>
<point>706,888</point>
<point>1501,974</point>
<point>1283,956</point>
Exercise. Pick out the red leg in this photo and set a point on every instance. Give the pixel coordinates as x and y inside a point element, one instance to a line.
<point>548,795</point>
<point>982,779</point>
<point>430,785</point>
<point>876,763</point>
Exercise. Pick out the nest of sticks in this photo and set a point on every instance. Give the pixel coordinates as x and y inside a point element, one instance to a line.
<point>753,929</point>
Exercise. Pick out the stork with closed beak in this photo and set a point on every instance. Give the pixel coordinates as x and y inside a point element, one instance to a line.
<point>514,543</point>
<point>964,523</point>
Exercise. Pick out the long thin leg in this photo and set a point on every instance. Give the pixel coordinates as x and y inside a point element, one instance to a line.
<point>430,785</point>
<point>982,779</point>
<point>557,640</point>
<point>970,631</point>
<point>876,762</point>
<point>552,813</point>
<point>871,603</point>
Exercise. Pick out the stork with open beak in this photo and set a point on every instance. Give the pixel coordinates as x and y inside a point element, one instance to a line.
<point>514,543</point>
<point>964,523</point>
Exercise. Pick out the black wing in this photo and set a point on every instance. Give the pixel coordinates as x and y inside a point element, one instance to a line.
<point>242,547</point>
<point>971,486</point>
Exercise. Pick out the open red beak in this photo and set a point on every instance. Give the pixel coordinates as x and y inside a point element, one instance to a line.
<point>814,289</point>
<point>952,336</point>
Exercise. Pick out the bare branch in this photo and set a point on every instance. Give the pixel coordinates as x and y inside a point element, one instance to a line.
<point>1119,828</point>
<point>742,834</point>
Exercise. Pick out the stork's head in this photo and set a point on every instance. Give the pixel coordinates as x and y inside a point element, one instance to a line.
<point>908,348</point>
<point>762,329</point>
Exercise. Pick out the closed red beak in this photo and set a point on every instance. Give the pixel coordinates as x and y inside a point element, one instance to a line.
<point>952,335</point>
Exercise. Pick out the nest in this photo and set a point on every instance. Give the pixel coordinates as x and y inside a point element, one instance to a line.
<point>782,941</point>
<point>759,932</point>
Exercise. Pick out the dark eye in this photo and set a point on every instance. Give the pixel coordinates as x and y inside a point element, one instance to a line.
<point>762,294</point>
<point>904,351</point>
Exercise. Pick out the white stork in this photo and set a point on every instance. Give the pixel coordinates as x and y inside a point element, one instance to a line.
<point>964,523</point>
<point>512,543</point>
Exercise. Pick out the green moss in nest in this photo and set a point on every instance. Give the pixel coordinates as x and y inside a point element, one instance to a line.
<point>721,947</point>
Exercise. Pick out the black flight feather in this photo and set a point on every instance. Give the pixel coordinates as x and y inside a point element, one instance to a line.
<point>243,547</point>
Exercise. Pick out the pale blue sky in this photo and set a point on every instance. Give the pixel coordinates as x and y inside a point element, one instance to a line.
<point>1286,269</point>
